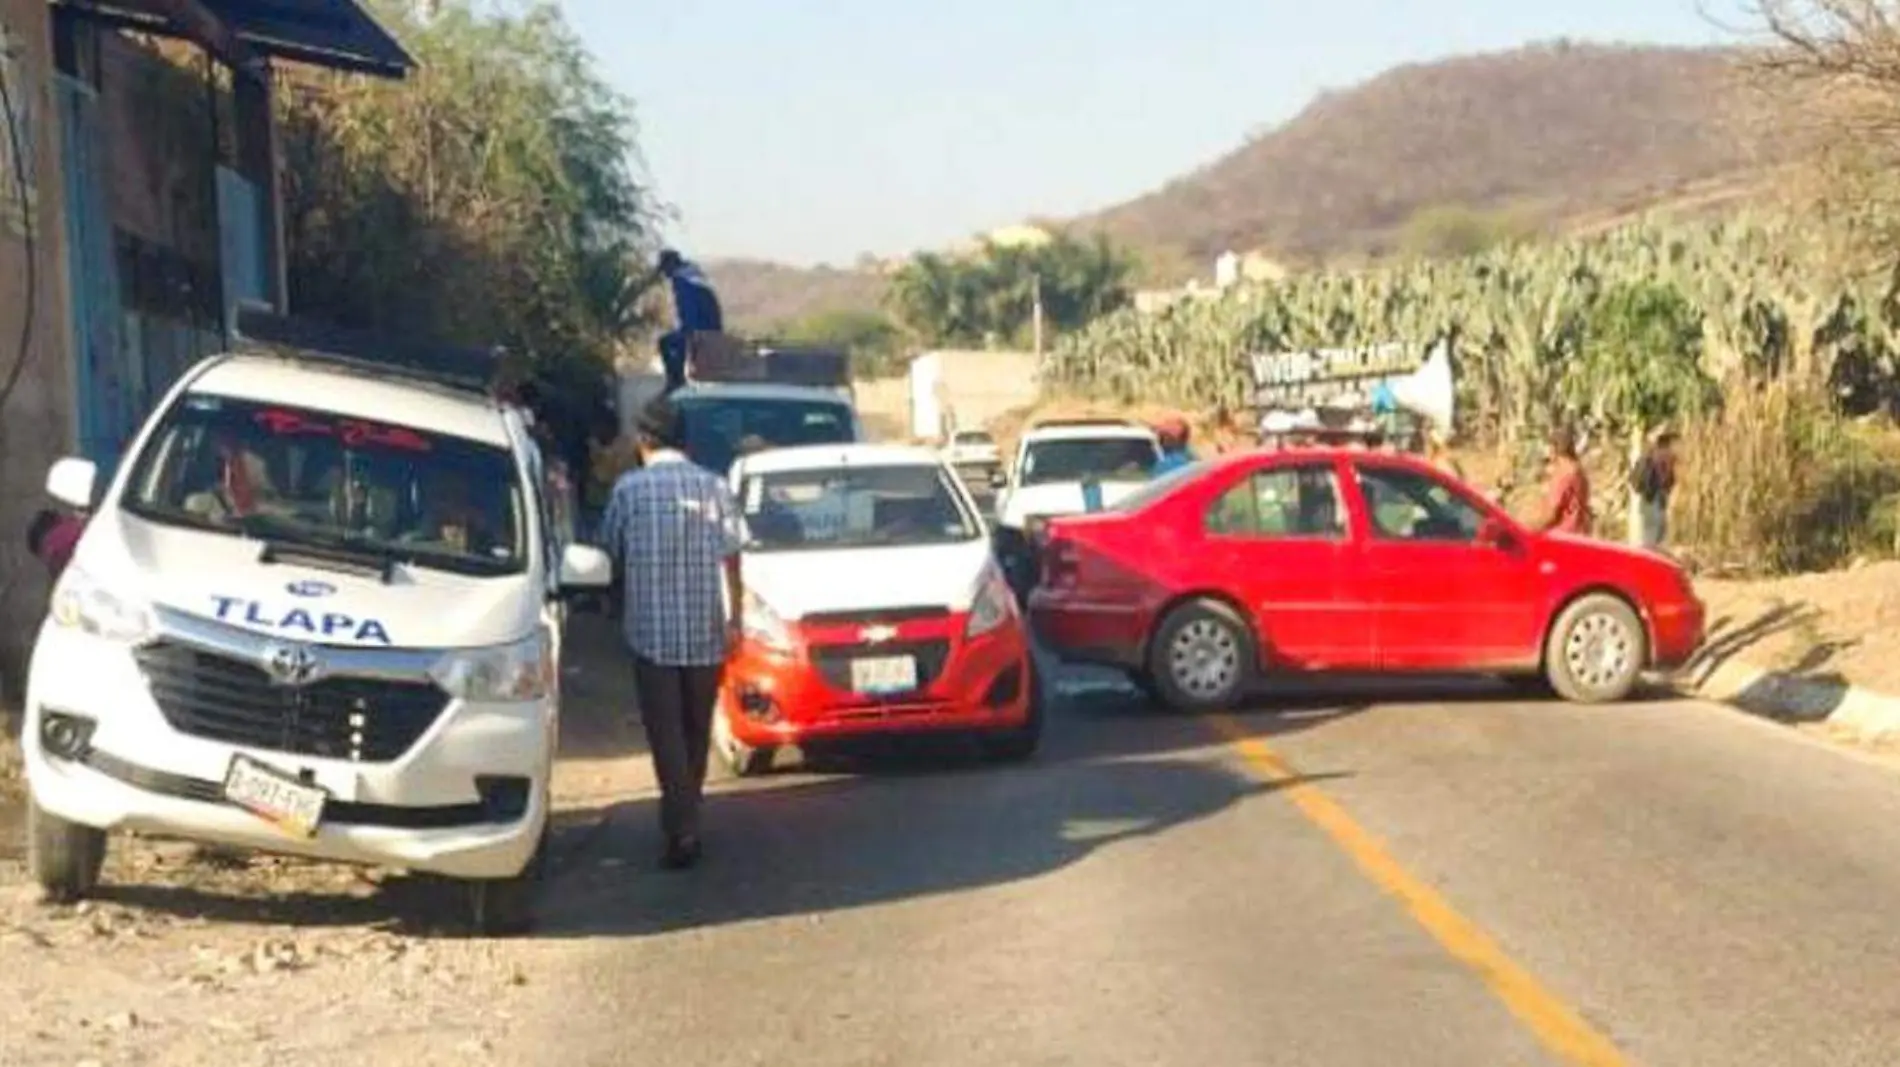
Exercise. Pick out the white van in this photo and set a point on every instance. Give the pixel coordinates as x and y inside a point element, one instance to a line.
<point>317,611</point>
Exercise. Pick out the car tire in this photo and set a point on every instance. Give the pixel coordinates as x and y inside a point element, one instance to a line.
<point>64,857</point>
<point>1019,743</point>
<point>741,759</point>
<point>504,907</point>
<point>1201,658</point>
<point>1596,650</point>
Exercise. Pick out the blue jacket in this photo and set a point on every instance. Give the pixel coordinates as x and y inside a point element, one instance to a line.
<point>695,304</point>
<point>1173,459</point>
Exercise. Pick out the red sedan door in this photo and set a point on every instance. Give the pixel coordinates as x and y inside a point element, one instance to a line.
<point>1445,601</point>
<point>1277,537</point>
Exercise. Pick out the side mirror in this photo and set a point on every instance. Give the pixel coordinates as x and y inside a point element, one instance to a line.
<point>71,481</point>
<point>1494,534</point>
<point>998,479</point>
<point>585,569</point>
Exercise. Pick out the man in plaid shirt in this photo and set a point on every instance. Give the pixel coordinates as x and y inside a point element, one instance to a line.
<point>673,529</point>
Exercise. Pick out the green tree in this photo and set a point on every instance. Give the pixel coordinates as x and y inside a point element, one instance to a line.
<point>1454,231</point>
<point>989,298</point>
<point>875,342</point>
<point>1639,363</point>
<point>491,198</point>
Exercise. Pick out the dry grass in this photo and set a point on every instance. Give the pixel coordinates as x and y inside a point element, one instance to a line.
<point>1778,484</point>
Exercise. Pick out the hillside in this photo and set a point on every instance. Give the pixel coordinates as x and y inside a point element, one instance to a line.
<point>756,295</point>
<point>1551,132</point>
<point>1561,136</point>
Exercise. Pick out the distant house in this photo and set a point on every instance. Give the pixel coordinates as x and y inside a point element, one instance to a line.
<point>1230,269</point>
<point>151,207</point>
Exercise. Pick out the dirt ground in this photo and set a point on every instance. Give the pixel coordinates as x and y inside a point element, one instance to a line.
<point>193,957</point>
<point>1839,626</point>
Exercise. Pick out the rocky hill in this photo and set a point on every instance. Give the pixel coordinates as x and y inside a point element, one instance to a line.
<point>1551,135</point>
<point>1548,133</point>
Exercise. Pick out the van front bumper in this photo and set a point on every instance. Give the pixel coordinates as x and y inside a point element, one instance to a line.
<point>466,799</point>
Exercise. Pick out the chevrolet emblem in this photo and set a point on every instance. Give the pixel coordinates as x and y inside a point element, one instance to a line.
<point>874,635</point>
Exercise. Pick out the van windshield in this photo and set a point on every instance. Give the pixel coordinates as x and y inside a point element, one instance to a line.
<point>294,476</point>
<point>1073,459</point>
<point>718,430</point>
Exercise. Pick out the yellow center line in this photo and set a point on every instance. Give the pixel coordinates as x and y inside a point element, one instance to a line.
<point>1549,1019</point>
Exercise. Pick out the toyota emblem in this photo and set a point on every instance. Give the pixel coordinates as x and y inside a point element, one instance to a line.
<point>290,664</point>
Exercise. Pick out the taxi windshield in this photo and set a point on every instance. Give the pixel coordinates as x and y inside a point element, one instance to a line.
<point>293,476</point>
<point>1074,459</point>
<point>853,507</point>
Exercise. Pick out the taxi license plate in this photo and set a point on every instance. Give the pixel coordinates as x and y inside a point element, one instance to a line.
<point>275,797</point>
<point>884,674</point>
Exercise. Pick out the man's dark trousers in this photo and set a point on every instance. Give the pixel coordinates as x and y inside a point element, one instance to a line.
<point>676,706</point>
<point>673,358</point>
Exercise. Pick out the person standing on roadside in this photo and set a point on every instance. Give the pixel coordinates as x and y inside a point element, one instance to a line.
<point>1567,500</point>
<point>52,537</point>
<point>1173,433</point>
<point>1653,479</point>
<point>673,530</point>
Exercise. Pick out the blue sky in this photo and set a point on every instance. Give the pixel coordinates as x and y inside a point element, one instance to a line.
<point>818,131</point>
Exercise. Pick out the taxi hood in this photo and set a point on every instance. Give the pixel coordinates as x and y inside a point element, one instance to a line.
<point>221,578</point>
<point>803,582</point>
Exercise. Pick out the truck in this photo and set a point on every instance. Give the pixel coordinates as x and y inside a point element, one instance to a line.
<point>743,396</point>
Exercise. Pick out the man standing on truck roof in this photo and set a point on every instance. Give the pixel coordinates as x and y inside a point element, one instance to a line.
<point>695,310</point>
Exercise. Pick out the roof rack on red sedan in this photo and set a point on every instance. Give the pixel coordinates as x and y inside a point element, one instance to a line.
<point>458,367</point>
<point>725,358</point>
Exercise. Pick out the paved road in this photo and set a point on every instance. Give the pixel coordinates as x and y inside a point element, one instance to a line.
<point>1421,877</point>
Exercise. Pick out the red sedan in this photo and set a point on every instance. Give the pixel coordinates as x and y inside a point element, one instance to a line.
<point>1332,560</point>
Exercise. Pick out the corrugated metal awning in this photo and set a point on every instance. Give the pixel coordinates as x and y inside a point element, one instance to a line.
<point>334,34</point>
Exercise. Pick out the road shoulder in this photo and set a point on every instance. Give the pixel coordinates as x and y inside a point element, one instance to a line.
<point>1818,652</point>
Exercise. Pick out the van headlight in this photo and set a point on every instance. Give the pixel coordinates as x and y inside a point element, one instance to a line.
<point>763,625</point>
<point>522,670</point>
<point>83,604</point>
<point>992,605</point>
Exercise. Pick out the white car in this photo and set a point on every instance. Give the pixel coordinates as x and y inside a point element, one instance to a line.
<point>1055,462</point>
<point>316,612</point>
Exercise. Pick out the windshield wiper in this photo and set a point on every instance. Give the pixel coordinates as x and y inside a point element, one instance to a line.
<point>340,551</point>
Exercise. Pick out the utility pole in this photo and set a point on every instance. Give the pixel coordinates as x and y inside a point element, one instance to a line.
<point>1035,311</point>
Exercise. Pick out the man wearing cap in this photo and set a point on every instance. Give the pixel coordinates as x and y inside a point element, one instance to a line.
<point>673,530</point>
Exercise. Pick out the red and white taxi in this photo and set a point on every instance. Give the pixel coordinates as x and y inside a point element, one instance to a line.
<point>872,606</point>
<point>1325,559</point>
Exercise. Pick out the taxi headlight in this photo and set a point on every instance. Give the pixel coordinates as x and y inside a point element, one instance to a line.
<point>82,604</point>
<point>763,625</point>
<point>521,670</point>
<point>992,606</point>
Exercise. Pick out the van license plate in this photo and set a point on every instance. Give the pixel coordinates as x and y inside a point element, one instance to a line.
<point>884,674</point>
<point>274,796</point>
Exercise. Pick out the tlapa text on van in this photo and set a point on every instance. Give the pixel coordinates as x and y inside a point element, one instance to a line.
<point>314,623</point>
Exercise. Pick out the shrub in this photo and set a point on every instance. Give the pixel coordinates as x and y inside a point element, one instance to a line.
<point>1777,482</point>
